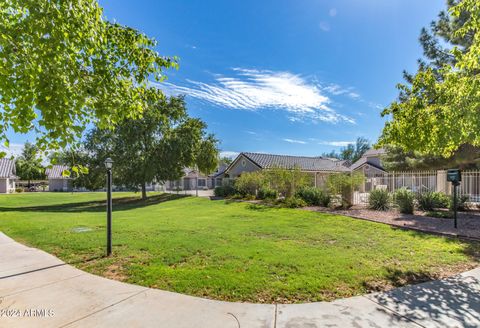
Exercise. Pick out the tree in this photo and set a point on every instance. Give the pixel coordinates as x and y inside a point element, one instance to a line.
<point>397,159</point>
<point>437,109</point>
<point>352,152</point>
<point>225,160</point>
<point>64,66</point>
<point>156,146</point>
<point>29,164</point>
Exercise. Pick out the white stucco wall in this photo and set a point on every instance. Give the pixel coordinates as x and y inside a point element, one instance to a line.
<point>59,185</point>
<point>240,166</point>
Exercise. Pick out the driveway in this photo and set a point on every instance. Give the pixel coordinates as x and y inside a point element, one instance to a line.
<point>39,290</point>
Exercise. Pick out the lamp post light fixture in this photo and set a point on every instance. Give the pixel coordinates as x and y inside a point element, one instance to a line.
<point>108,166</point>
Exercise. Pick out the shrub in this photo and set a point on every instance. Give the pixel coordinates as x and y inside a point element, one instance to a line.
<point>430,200</point>
<point>293,202</point>
<point>249,183</point>
<point>313,196</point>
<point>461,203</point>
<point>343,184</point>
<point>404,199</point>
<point>288,181</point>
<point>224,191</point>
<point>379,200</point>
<point>267,193</point>
<point>18,189</point>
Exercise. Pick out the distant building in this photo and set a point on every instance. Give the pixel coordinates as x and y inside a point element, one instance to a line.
<point>56,180</point>
<point>7,176</point>
<point>370,163</point>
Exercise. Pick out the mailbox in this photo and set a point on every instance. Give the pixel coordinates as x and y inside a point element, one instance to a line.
<point>454,176</point>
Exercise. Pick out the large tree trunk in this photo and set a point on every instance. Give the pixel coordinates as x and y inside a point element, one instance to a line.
<point>144,191</point>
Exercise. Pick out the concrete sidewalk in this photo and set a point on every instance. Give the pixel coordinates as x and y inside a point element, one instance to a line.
<point>39,290</point>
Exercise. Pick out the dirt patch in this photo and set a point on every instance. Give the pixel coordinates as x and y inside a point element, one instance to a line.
<point>468,222</point>
<point>115,272</point>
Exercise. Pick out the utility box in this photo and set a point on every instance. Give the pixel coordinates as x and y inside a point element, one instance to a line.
<point>454,176</point>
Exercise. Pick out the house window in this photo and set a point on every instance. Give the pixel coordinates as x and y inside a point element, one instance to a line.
<point>202,183</point>
<point>244,163</point>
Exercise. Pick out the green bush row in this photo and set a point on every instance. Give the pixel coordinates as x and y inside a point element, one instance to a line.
<point>406,200</point>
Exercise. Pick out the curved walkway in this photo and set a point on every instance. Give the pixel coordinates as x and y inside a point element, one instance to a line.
<point>39,290</point>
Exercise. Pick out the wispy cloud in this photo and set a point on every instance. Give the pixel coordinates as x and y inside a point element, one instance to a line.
<point>336,143</point>
<point>338,90</point>
<point>295,141</point>
<point>324,26</point>
<point>252,89</point>
<point>332,12</point>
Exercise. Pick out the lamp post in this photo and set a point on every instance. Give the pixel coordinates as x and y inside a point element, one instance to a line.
<point>108,166</point>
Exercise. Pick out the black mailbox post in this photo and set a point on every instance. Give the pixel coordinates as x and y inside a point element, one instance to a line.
<point>455,177</point>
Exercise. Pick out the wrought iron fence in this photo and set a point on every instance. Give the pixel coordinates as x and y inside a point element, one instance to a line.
<point>418,182</point>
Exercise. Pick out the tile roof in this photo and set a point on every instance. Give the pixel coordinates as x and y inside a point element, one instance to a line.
<point>56,172</point>
<point>304,163</point>
<point>374,152</point>
<point>7,168</point>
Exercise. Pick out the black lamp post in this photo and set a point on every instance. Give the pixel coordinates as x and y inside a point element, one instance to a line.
<point>108,166</point>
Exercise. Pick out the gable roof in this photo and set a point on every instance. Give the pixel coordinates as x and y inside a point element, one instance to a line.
<point>56,172</point>
<point>7,169</point>
<point>374,152</point>
<point>304,163</point>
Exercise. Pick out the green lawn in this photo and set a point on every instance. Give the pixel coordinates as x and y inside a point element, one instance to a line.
<point>230,251</point>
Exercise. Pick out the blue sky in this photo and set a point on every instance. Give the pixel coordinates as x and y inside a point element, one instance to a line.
<point>296,77</point>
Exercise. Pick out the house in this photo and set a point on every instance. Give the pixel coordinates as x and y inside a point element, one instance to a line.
<point>56,180</point>
<point>318,167</point>
<point>7,176</point>
<point>191,177</point>
<point>370,163</point>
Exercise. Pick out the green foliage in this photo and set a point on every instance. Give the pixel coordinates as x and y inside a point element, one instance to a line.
<point>28,165</point>
<point>343,185</point>
<point>428,201</point>
<point>437,110</point>
<point>461,203</point>
<point>267,193</point>
<point>404,199</point>
<point>292,202</point>
<point>379,199</point>
<point>156,146</point>
<point>64,66</point>
<point>313,196</point>
<point>397,159</point>
<point>250,182</point>
<point>287,181</point>
<point>352,152</point>
<point>224,191</point>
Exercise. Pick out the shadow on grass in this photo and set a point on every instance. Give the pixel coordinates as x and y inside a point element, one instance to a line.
<point>119,204</point>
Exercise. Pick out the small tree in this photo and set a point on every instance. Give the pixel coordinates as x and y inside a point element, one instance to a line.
<point>288,181</point>
<point>29,164</point>
<point>251,182</point>
<point>344,184</point>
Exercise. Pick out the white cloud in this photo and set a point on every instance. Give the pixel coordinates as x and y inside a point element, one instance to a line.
<point>332,12</point>
<point>324,26</point>
<point>294,141</point>
<point>252,89</point>
<point>336,143</point>
<point>229,154</point>
<point>14,149</point>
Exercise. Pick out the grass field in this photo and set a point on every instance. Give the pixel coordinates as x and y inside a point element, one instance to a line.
<point>230,251</point>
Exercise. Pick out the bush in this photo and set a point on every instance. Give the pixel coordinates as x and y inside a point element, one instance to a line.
<point>267,193</point>
<point>379,200</point>
<point>293,202</point>
<point>250,182</point>
<point>461,203</point>
<point>404,199</point>
<point>344,184</point>
<point>224,191</point>
<point>288,181</point>
<point>428,201</point>
<point>18,189</point>
<point>313,196</point>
